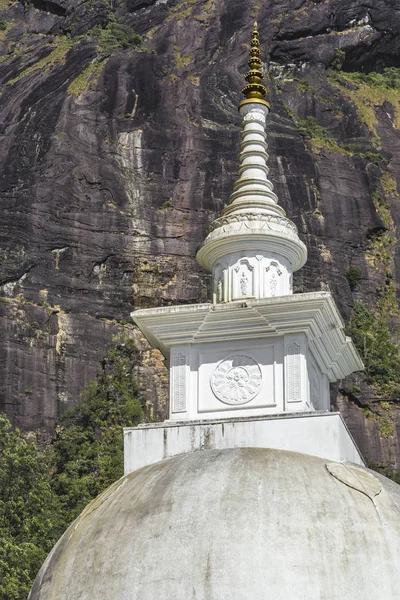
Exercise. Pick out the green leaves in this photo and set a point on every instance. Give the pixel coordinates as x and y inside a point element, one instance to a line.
<point>381,356</point>
<point>115,36</point>
<point>353,277</point>
<point>388,79</point>
<point>30,512</point>
<point>42,491</point>
<point>338,60</point>
<point>88,447</point>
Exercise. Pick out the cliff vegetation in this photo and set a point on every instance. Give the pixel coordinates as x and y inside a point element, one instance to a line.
<point>44,488</point>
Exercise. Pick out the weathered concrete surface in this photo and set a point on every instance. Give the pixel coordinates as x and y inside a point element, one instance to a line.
<point>244,524</point>
<point>318,434</point>
<point>106,195</point>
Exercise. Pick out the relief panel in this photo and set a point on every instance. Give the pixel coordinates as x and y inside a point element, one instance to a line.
<point>243,280</point>
<point>314,388</point>
<point>294,379</point>
<point>273,275</point>
<point>179,383</point>
<point>248,381</point>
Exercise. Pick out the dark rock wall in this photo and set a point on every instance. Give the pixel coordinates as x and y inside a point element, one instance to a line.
<point>107,187</point>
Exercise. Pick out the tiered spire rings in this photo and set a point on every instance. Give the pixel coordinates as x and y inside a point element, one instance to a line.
<point>252,249</point>
<point>255,90</point>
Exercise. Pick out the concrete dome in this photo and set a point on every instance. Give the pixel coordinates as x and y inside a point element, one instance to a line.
<point>242,524</point>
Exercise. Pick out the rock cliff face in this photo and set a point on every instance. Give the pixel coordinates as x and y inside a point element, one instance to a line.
<point>117,152</point>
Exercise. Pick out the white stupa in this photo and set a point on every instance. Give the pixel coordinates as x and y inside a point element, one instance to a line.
<point>258,350</point>
<point>249,491</point>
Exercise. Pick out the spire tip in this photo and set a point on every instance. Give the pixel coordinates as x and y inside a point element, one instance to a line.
<point>255,90</point>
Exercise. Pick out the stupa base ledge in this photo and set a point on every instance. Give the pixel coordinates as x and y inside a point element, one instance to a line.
<point>322,434</point>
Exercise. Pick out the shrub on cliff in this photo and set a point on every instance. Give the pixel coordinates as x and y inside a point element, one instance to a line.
<point>389,78</point>
<point>115,36</point>
<point>379,353</point>
<point>353,277</point>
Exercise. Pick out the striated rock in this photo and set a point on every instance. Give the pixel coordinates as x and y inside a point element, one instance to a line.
<point>114,160</point>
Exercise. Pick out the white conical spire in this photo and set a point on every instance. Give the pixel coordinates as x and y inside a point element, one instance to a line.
<point>253,248</point>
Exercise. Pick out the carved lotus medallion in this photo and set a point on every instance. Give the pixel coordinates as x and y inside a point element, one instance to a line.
<point>236,380</point>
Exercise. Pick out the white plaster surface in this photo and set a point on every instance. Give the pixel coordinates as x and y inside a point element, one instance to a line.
<point>313,317</point>
<point>210,369</point>
<point>314,314</point>
<point>318,434</point>
<point>251,274</point>
<point>246,378</point>
<point>297,342</point>
<point>234,524</point>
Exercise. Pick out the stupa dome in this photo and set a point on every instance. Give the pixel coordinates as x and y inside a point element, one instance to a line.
<point>237,524</point>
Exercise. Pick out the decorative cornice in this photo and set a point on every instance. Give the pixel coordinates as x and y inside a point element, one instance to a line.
<point>314,314</point>
<point>268,238</point>
<point>255,218</point>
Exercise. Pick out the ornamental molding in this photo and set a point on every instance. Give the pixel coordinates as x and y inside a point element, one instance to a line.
<point>294,387</point>
<point>236,380</point>
<point>312,313</point>
<point>273,263</point>
<point>255,115</point>
<point>244,262</point>
<point>179,383</point>
<point>245,218</point>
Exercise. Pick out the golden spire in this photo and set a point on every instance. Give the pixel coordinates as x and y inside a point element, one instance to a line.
<point>255,90</point>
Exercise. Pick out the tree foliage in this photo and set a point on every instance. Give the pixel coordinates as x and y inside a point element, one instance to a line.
<point>353,277</point>
<point>338,60</point>
<point>379,353</point>
<point>115,36</point>
<point>43,490</point>
<point>88,447</point>
<point>30,512</point>
<point>388,79</point>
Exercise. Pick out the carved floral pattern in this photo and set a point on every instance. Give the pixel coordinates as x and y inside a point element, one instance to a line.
<point>236,380</point>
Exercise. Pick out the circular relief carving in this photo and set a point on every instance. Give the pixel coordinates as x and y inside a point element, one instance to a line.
<point>236,380</point>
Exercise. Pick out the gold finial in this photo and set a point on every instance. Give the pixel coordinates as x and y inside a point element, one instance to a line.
<point>255,90</point>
